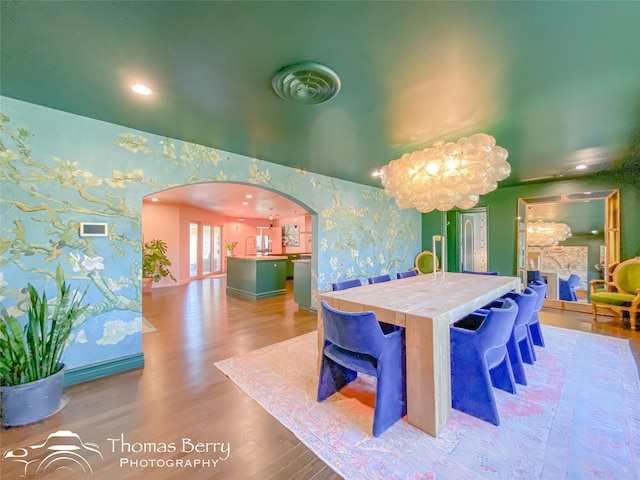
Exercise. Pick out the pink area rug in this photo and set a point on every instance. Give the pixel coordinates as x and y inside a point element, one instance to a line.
<point>578,418</point>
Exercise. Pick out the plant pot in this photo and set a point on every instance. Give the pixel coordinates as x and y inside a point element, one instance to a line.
<point>147,283</point>
<point>32,402</point>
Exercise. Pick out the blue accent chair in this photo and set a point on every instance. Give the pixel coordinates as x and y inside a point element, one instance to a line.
<point>357,342</point>
<point>534,324</point>
<point>479,273</point>
<point>567,288</point>
<point>480,360</point>
<point>534,276</point>
<point>380,279</point>
<point>519,346</point>
<point>410,273</point>
<point>346,284</point>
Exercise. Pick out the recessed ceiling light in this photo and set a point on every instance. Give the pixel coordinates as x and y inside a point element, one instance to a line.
<point>375,173</point>
<point>245,203</point>
<point>248,196</point>
<point>141,89</point>
<point>154,199</point>
<point>595,232</point>
<point>581,167</point>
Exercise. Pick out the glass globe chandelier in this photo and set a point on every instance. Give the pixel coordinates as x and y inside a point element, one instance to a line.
<point>547,234</point>
<point>446,175</point>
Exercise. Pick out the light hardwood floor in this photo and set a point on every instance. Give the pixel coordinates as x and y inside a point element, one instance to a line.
<point>181,395</point>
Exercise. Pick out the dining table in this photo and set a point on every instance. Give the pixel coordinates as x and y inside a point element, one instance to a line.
<point>425,305</point>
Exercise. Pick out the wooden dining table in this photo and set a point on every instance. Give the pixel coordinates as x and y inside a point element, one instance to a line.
<point>426,308</point>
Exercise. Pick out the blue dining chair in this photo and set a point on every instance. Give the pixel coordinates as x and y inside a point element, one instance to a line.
<point>346,284</point>
<point>519,346</point>
<point>567,288</point>
<point>410,273</point>
<point>534,323</point>
<point>356,342</point>
<point>480,360</point>
<point>380,279</point>
<point>479,273</point>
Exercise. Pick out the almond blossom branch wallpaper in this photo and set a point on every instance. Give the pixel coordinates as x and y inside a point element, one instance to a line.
<point>59,169</point>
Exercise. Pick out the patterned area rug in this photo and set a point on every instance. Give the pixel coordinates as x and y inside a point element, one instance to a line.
<point>578,418</point>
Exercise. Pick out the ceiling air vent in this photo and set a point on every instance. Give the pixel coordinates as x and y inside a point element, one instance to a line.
<point>307,83</point>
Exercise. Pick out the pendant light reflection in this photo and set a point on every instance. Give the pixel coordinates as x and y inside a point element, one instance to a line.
<point>547,234</point>
<point>446,175</point>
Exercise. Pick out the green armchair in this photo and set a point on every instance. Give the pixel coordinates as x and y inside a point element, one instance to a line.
<point>424,262</point>
<point>622,294</point>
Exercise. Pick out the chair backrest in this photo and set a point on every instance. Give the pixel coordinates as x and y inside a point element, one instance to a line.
<point>497,326</point>
<point>526,302</point>
<point>424,262</point>
<point>346,284</point>
<point>380,279</point>
<point>534,276</point>
<point>354,331</point>
<point>410,273</point>
<point>479,273</point>
<point>573,280</point>
<point>626,276</point>
<point>541,289</point>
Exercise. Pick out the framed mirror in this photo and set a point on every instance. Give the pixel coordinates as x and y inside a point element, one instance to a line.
<point>568,240</point>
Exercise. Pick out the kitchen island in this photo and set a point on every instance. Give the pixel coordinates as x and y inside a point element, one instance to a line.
<point>257,276</point>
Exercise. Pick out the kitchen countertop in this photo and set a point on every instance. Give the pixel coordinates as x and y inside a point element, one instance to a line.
<point>259,257</point>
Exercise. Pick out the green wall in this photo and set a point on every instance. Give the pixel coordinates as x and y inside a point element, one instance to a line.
<point>501,216</point>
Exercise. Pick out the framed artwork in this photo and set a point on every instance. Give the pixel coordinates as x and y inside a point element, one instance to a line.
<point>290,235</point>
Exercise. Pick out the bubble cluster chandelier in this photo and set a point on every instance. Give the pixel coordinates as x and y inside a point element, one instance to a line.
<point>547,234</point>
<point>446,175</point>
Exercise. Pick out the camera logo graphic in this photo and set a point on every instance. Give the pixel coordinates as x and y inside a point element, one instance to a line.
<point>61,451</point>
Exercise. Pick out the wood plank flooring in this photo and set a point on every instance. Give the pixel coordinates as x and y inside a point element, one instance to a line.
<point>181,395</point>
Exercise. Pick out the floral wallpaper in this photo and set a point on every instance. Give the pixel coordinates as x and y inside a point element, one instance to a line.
<point>59,169</point>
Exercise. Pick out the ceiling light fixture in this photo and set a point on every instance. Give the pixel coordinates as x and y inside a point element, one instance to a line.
<point>446,175</point>
<point>154,199</point>
<point>547,234</point>
<point>581,167</point>
<point>141,89</point>
<point>308,83</point>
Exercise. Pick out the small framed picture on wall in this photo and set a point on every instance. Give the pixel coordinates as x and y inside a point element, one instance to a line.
<point>290,235</point>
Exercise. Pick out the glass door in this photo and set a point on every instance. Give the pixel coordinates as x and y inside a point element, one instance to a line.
<point>217,250</point>
<point>193,249</point>
<point>207,242</point>
<point>473,240</point>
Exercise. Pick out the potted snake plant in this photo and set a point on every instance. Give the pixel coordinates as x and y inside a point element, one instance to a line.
<point>31,368</point>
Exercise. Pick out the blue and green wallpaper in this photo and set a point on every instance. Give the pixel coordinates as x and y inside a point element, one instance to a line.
<point>59,169</point>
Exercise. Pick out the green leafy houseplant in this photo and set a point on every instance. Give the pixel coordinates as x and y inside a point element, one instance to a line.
<point>155,261</point>
<point>230,247</point>
<point>34,352</point>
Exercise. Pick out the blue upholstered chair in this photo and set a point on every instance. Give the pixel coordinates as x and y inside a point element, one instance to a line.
<point>519,346</point>
<point>410,273</point>
<point>479,273</point>
<point>567,288</point>
<point>534,324</point>
<point>380,279</point>
<point>346,284</point>
<point>479,359</point>
<point>534,276</point>
<point>357,342</point>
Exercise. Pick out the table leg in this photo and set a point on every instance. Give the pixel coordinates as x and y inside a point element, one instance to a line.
<point>428,374</point>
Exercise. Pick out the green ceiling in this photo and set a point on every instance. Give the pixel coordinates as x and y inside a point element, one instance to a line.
<point>557,83</point>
